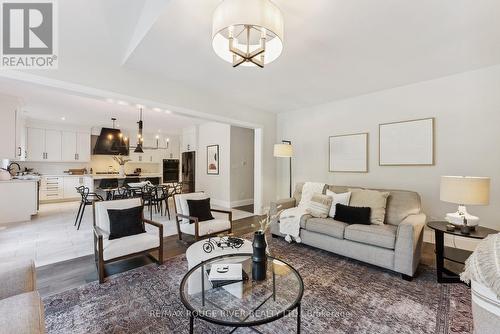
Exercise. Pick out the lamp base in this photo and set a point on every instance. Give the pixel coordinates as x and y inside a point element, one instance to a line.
<point>457,218</point>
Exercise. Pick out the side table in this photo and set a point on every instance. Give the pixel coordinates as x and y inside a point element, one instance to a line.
<point>445,275</point>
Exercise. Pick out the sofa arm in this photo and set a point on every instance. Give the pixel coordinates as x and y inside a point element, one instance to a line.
<point>409,244</point>
<point>281,204</point>
<point>17,277</point>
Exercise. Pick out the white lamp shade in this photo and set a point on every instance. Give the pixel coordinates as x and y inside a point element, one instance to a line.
<point>283,150</point>
<point>238,13</point>
<point>465,190</point>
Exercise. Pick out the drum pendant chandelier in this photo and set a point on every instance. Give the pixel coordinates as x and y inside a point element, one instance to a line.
<point>247,32</point>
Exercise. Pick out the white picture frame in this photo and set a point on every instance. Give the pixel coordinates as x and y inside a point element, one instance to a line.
<point>407,143</point>
<point>348,153</point>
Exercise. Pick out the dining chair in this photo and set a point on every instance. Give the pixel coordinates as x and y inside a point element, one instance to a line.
<point>87,198</point>
<point>109,186</point>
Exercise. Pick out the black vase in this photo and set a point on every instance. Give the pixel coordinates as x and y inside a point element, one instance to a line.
<point>259,257</point>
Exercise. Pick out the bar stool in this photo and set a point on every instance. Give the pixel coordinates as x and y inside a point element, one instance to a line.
<point>88,198</point>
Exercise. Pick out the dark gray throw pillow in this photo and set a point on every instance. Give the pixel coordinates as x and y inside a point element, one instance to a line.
<point>352,214</point>
<point>200,208</point>
<point>125,222</point>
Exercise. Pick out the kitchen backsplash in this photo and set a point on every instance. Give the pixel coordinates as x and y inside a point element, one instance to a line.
<point>98,164</point>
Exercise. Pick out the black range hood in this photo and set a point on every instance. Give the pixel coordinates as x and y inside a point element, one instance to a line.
<point>111,142</point>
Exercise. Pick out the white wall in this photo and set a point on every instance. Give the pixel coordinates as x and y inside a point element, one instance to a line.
<point>467,111</point>
<point>216,186</point>
<point>242,166</point>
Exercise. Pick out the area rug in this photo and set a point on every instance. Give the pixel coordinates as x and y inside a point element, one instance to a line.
<point>341,296</point>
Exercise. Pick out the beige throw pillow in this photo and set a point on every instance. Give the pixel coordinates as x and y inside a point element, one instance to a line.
<point>376,200</point>
<point>319,205</point>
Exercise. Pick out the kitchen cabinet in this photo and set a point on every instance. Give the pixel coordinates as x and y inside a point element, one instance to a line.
<point>8,128</point>
<point>20,136</point>
<point>51,188</point>
<point>189,139</point>
<point>18,200</point>
<point>70,183</point>
<point>75,146</point>
<point>43,145</point>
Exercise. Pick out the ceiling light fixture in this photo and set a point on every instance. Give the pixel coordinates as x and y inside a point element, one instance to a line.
<point>156,109</point>
<point>247,32</point>
<point>168,112</point>
<point>140,140</point>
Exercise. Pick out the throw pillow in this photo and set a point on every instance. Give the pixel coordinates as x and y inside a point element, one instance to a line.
<point>184,208</point>
<point>352,214</point>
<point>125,222</point>
<point>376,200</point>
<point>342,198</point>
<point>319,205</point>
<point>200,208</point>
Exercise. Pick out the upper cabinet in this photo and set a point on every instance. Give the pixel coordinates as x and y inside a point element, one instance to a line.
<point>43,145</point>
<point>75,146</point>
<point>10,115</point>
<point>189,139</point>
<point>57,145</point>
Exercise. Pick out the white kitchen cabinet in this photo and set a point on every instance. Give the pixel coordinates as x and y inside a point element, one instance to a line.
<point>189,139</point>
<point>35,144</point>
<point>51,188</point>
<point>53,145</point>
<point>70,183</point>
<point>20,136</point>
<point>69,146</point>
<point>18,200</point>
<point>7,129</point>
<point>75,146</point>
<point>83,146</point>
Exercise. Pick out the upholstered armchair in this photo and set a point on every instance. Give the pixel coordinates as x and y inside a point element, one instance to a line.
<point>21,309</point>
<point>192,226</point>
<point>107,251</point>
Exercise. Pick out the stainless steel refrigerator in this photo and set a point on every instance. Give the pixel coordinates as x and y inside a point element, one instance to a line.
<point>188,171</point>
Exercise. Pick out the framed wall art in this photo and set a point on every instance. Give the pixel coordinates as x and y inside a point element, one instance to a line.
<point>213,160</point>
<point>348,153</point>
<point>407,143</point>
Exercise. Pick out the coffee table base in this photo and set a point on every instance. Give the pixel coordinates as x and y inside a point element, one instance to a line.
<point>299,320</point>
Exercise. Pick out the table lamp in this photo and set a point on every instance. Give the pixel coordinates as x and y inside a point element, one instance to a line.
<point>285,150</point>
<point>464,190</point>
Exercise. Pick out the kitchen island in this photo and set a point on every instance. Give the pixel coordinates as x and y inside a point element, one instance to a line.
<point>18,200</point>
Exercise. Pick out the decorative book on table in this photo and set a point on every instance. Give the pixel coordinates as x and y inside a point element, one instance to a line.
<point>226,272</point>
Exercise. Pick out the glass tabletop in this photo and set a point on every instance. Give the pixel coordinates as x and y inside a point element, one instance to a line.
<point>246,302</point>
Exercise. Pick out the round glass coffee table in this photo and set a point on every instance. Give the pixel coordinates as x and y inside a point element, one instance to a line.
<point>245,303</point>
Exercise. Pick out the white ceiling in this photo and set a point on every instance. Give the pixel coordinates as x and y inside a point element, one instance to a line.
<point>51,105</point>
<point>333,49</point>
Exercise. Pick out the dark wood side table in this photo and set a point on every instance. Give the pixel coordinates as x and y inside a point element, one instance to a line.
<point>445,275</point>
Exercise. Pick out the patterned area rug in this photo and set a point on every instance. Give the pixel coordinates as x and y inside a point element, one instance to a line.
<point>341,296</point>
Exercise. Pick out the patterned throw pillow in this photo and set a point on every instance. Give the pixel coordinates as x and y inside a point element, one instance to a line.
<point>342,198</point>
<point>376,200</point>
<point>319,205</point>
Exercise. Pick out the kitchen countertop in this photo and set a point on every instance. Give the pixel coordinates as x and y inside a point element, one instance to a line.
<point>17,181</point>
<point>104,176</point>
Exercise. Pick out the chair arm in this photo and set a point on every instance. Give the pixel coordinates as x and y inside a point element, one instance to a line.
<point>408,246</point>
<point>17,277</point>
<point>150,222</point>
<point>229,213</point>
<point>281,204</point>
<point>99,233</point>
<point>192,219</point>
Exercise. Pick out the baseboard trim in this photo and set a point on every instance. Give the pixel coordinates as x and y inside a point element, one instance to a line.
<point>242,202</point>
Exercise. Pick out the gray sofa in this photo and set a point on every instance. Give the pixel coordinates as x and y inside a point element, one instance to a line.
<point>21,308</point>
<point>396,245</point>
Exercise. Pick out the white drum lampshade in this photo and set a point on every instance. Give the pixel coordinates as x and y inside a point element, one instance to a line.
<point>247,32</point>
<point>464,190</point>
<point>283,150</point>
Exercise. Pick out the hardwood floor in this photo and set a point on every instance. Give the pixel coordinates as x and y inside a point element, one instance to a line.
<point>70,274</point>
<point>66,275</point>
<point>247,208</point>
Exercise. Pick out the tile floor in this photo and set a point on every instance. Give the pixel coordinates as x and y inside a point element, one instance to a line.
<point>50,236</point>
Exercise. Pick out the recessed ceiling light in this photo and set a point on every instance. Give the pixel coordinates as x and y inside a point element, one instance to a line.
<point>110,100</point>
<point>139,106</point>
<point>63,118</point>
<point>122,103</point>
<point>157,109</point>
<point>168,112</point>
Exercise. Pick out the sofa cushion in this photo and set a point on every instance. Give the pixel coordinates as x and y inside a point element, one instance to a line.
<point>376,200</point>
<point>22,314</point>
<point>319,205</point>
<point>352,214</point>
<point>376,235</point>
<point>207,227</point>
<point>326,226</point>
<point>129,245</point>
<point>342,198</point>
<point>304,219</point>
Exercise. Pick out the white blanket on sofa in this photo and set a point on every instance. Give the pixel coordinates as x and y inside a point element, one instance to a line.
<point>290,218</point>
